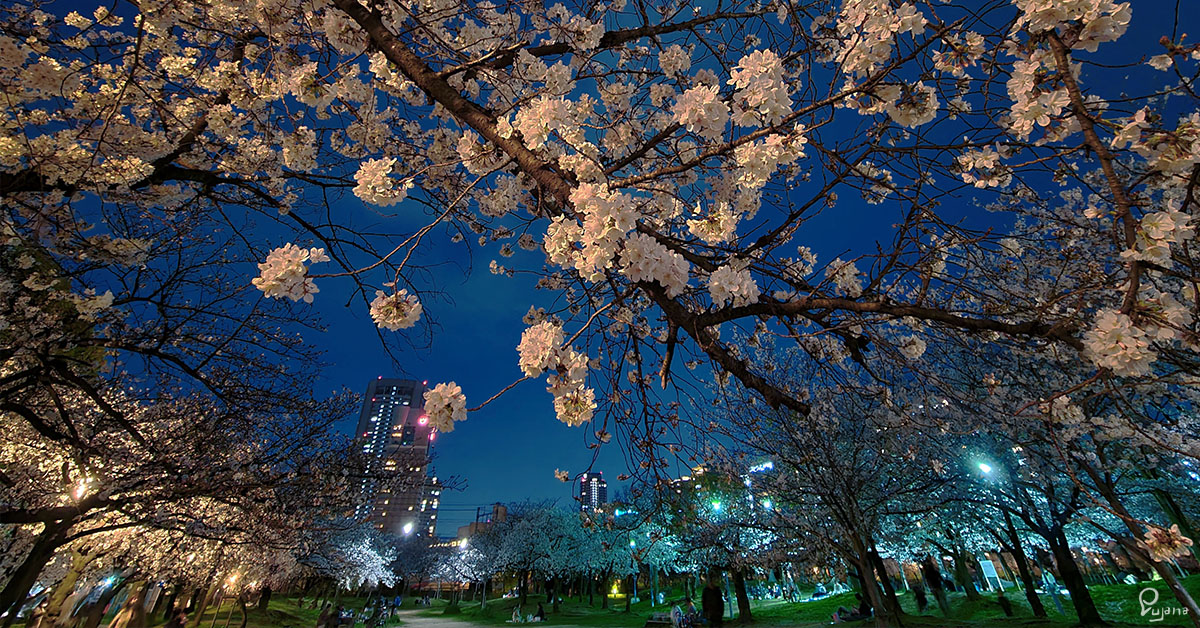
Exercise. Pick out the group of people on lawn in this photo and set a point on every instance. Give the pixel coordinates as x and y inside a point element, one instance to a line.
<point>712,609</point>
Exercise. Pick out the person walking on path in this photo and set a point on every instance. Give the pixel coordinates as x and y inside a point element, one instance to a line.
<point>712,604</point>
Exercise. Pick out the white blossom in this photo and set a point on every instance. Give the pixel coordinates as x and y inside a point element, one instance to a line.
<point>376,185</point>
<point>1114,343</point>
<point>732,282</point>
<point>445,404</point>
<point>645,259</point>
<point>284,273</point>
<point>395,311</point>
<point>539,347</point>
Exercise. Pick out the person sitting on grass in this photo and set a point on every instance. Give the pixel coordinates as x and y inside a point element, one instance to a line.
<point>691,617</point>
<point>516,616</point>
<point>845,614</point>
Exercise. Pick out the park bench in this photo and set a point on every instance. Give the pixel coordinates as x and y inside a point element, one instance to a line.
<point>659,620</point>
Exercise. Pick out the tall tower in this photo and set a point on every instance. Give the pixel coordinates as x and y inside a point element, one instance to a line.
<point>394,432</point>
<point>593,491</point>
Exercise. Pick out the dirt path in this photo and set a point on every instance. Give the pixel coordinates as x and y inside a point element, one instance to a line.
<point>414,619</point>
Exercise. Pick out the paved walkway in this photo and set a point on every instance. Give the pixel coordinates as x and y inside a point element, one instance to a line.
<point>414,619</point>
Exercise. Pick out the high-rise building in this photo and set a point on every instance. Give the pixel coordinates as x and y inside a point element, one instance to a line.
<point>401,493</point>
<point>593,491</point>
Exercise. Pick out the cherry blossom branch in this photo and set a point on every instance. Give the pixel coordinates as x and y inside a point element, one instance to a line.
<point>1124,205</point>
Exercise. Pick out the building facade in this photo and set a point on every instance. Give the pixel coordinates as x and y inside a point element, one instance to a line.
<point>401,494</point>
<point>593,491</point>
<point>483,522</point>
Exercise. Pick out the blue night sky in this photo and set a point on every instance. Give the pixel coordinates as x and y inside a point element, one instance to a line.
<point>507,452</point>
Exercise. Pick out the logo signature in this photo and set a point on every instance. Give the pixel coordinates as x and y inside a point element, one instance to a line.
<point>1148,600</point>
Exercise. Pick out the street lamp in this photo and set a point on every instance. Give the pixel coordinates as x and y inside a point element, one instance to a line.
<point>985,467</point>
<point>407,529</point>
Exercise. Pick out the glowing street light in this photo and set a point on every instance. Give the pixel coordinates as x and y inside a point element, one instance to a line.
<point>985,467</point>
<point>407,529</point>
<point>716,505</point>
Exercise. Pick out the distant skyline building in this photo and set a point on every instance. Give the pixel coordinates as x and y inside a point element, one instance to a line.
<point>483,523</point>
<point>593,491</point>
<point>394,431</point>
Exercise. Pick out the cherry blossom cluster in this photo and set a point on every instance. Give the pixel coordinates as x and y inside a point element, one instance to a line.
<point>645,259</point>
<point>285,273</point>
<point>762,97</point>
<point>717,226</point>
<point>982,168</point>
<point>701,110</point>
<point>910,105</point>
<point>867,29</point>
<point>541,350</point>
<point>376,184</point>
<point>1115,343</point>
<point>1165,544</point>
<point>845,276</point>
<point>758,161</point>
<point>1101,20</point>
<point>445,404</point>
<point>399,310</point>
<point>607,218</point>
<point>733,283</point>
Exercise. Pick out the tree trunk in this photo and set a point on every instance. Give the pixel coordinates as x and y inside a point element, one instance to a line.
<point>12,597</point>
<point>246,614</point>
<point>264,599</point>
<point>557,603</point>
<point>932,572</point>
<point>653,585</point>
<point>604,589</point>
<point>743,600</point>
<point>202,604</point>
<point>169,607</point>
<point>57,600</point>
<point>133,611</point>
<point>1018,554</point>
<point>1072,579</point>
<point>524,586</point>
<point>889,592</point>
<point>962,573</point>
<point>95,612</point>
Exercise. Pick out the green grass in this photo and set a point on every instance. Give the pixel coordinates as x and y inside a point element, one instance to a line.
<point>571,612</point>
<point>1117,604</point>
<point>282,612</point>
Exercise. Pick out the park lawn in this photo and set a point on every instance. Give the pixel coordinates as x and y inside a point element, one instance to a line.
<point>572,612</point>
<point>281,612</point>
<point>1117,603</point>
